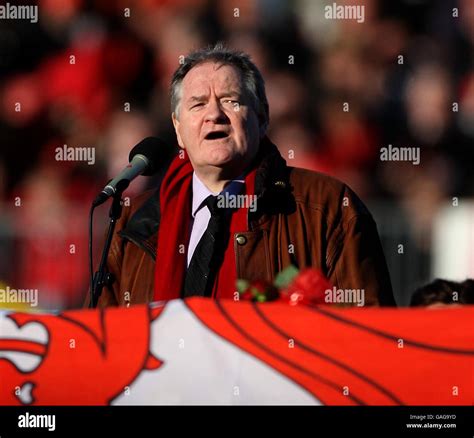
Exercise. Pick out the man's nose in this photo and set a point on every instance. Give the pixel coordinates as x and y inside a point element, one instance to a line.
<point>215,113</point>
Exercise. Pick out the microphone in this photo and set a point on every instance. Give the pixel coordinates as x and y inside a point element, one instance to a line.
<point>145,159</point>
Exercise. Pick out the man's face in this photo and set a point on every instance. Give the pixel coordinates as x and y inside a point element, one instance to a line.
<point>217,124</point>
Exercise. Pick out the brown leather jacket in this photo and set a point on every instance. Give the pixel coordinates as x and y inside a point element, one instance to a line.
<point>303,218</point>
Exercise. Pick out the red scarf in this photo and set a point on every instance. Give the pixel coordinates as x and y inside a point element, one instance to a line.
<point>174,233</point>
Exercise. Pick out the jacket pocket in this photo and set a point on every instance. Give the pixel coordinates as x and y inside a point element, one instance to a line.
<point>252,256</point>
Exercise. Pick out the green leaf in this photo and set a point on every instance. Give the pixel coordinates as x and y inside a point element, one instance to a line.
<point>242,285</point>
<point>285,277</point>
<point>254,291</point>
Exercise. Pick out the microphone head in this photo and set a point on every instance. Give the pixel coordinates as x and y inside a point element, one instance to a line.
<point>154,150</point>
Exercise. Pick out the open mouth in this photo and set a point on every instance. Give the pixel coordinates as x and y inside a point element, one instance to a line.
<point>216,135</point>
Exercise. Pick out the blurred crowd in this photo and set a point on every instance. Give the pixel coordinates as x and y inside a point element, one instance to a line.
<point>96,74</point>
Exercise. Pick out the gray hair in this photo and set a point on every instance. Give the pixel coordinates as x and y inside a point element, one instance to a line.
<point>252,80</point>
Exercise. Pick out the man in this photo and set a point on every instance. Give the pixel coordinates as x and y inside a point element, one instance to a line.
<point>229,207</point>
<point>441,293</point>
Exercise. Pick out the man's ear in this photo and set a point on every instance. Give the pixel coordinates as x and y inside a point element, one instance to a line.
<point>176,130</point>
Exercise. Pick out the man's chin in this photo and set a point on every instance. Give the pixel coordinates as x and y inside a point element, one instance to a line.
<point>221,156</point>
<point>221,162</point>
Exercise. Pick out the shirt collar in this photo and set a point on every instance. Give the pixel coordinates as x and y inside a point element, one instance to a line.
<point>201,192</point>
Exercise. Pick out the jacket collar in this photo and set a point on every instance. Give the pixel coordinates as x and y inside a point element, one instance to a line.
<point>272,184</point>
<point>272,189</point>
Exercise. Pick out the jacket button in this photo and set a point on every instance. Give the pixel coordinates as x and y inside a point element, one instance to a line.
<point>241,240</point>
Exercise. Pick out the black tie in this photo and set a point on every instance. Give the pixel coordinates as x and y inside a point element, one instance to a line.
<point>209,252</point>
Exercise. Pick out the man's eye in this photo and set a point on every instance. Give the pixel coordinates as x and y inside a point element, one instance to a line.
<point>234,104</point>
<point>197,105</point>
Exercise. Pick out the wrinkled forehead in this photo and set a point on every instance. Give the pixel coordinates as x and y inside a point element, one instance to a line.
<point>208,76</point>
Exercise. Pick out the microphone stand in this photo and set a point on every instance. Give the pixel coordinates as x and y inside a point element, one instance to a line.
<point>102,277</point>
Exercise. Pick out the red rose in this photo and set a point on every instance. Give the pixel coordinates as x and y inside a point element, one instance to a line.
<point>309,288</point>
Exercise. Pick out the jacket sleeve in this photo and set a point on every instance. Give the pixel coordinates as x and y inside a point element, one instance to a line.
<point>358,262</point>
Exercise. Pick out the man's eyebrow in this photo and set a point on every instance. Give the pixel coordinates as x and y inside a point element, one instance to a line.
<point>197,98</point>
<point>203,97</point>
<point>231,94</point>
